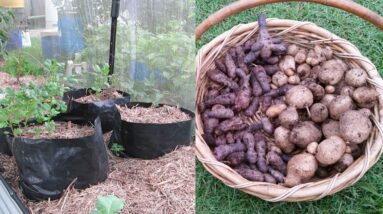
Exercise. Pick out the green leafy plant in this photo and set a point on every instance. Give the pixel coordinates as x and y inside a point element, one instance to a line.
<point>117,149</point>
<point>7,18</point>
<point>108,204</point>
<point>18,65</point>
<point>32,102</point>
<point>100,78</point>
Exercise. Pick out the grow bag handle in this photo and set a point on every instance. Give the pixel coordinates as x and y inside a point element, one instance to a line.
<point>241,5</point>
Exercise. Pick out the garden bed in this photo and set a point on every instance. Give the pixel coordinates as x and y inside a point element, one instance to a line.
<point>7,80</point>
<point>163,185</point>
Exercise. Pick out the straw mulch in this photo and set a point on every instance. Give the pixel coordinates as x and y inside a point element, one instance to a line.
<point>103,95</point>
<point>158,115</point>
<point>7,80</point>
<point>164,185</point>
<point>63,130</point>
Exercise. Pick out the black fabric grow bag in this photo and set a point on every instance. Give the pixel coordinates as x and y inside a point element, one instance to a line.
<point>48,166</point>
<point>4,148</point>
<point>106,109</point>
<point>149,140</point>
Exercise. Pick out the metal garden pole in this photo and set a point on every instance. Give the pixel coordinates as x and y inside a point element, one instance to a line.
<point>114,14</point>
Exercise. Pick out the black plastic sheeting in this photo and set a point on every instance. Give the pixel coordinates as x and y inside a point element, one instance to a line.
<point>48,166</point>
<point>4,148</point>
<point>149,140</point>
<point>106,109</point>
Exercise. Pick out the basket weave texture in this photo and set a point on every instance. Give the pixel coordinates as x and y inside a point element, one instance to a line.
<point>304,34</point>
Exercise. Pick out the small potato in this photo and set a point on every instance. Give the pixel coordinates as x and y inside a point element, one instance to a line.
<point>275,110</point>
<point>287,63</point>
<point>304,133</point>
<point>330,150</point>
<point>327,99</point>
<point>356,77</point>
<point>279,79</point>
<point>301,55</point>
<point>365,97</point>
<point>347,91</point>
<point>331,73</point>
<point>345,161</point>
<point>330,128</point>
<point>317,90</point>
<point>292,50</point>
<point>314,72</point>
<point>354,127</point>
<point>281,136</point>
<point>294,80</point>
<point>313,58</point>
<point>299,96</point>
<point>340,105</point>
<point>300,168</point>
<point>318,112</point>
<point>312,148</point>
<point>303,70</point>
<point>289,117</point>
<point>329,89</point>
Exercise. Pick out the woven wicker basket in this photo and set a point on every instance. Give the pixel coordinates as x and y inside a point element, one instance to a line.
<point>304,34</point>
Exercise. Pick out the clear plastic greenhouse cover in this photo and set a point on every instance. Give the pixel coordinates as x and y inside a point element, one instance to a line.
<point>155,46</point>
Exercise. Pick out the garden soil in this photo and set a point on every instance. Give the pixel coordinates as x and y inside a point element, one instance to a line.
<point>7,80</point>
<point>163,185</point>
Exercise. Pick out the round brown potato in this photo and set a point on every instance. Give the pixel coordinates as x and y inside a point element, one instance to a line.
<point>300,97</point>
<point>327,99</point>
<point>304,133</point>
<point>301,55</point>
<point>356,77</point>
<point>340,105</point>
<point>303,70</point>
<point>365,97</point>
<point>279,79</point>
<point>317,90</point>
<point>289,117</point>
<point>345,161</point>
<point>292,50</point>
<point>281,136</point>
<point>331,73</point>
<point>330,89</point>
<point>330,150</point>
<point>365,111</point>
<point>318,112</point>
<point>294,80</point>
<point>354,127</point>
<point>347,91</point>
<point>330,128</point>
<point>300,168</point>
<point>275,110</point>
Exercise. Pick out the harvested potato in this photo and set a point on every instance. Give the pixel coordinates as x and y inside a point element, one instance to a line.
<point>340,105</point>
<point>304,133</point>
<point>292,50</point>
<point>300,97</point>
<point>289,117</point>
<point>327,52</point>
<point>331,73</point>
<point>327,99</point>
<point>294,80</point>
<point>312,148</point>
<point>365,111</point>
<point>356,77</point>
<point>301,56</point>
<point>318,112</point>
<point>329,89</point>
<point>330,150</point>
<point>287,64</point>
<point>330,128</point>
<point>281,136</point>
<point>275,110</point>
<point>354,127</point>
<point>317,90</point>
<point>347,91</point>
<point>279,79</point>
<point>300,168</point>
<point>345,161</point>
<point>303,70</point>
<point>365,97</point>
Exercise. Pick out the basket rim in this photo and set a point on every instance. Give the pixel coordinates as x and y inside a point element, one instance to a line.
<point>307,191</point>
